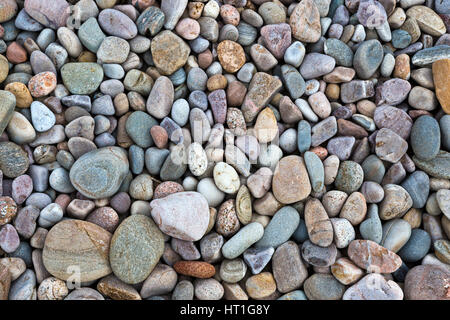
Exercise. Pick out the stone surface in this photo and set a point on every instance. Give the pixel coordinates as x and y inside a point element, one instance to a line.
<point>172,218</point>
<point>136,247</point>
<point>69,243</point>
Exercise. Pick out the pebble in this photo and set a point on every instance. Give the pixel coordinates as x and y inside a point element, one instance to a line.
<point>242,240</point>
<point>139,233</point>
<point>261,285</point>
<point>365,289</point>
<point>390,146</point>
<point>172,217</point>
<point>280,228</point>
<point>349,177</point>
<point>43,119</point>
<point>323,287</point>
<point>443,200</point>
<point>320,229</point>
<point>24,288</point>
<point>396,202</point>
<point>290,172</point>
<point>169,52</point>
<point>208,289</point>
<point>75,77</point>
<point>103,171</point>
<point>309,68</point>
<point>305,22</point>
<point>395,234</point>
<point>372,257</point>
<point>346,272</point>
<point>161,281</point>
<point>440,68</point>
<point>417,246</point>
<point>13,160</point>
<point>67,243</point>
<point>426,282</point>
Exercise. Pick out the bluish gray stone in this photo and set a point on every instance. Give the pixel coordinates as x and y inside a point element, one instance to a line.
<point>99,173</point>
<point>180,111</point>
<point>198,99</point>
<point>59,180</point>
<point>175,164</point>
<point>77,100</point>
<point>427,56</point>
<point>294,295</point>
<point>418,187</point>
<point>301,233</point>
<point>371,228</point>
<point>154,159</point>
<point>91,35</point>
<point>114,71</point>
<point>280,228</point>
<point>242,240</point>
<point>23,288</point>
<point>104,106</point>
<point>373,168</point>
<point>436,167</point>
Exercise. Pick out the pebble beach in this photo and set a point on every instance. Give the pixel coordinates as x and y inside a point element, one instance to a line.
<point>224,150</point>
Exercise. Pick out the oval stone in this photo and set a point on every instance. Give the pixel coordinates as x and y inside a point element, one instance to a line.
<point>290,181</point>
<point>425,138</point>
<point>372,257</point>
<point>280,228</point>
<point>182,215</point>
<point>136,247</point>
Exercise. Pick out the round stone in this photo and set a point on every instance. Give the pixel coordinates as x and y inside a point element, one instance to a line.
<point>69,243</point>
